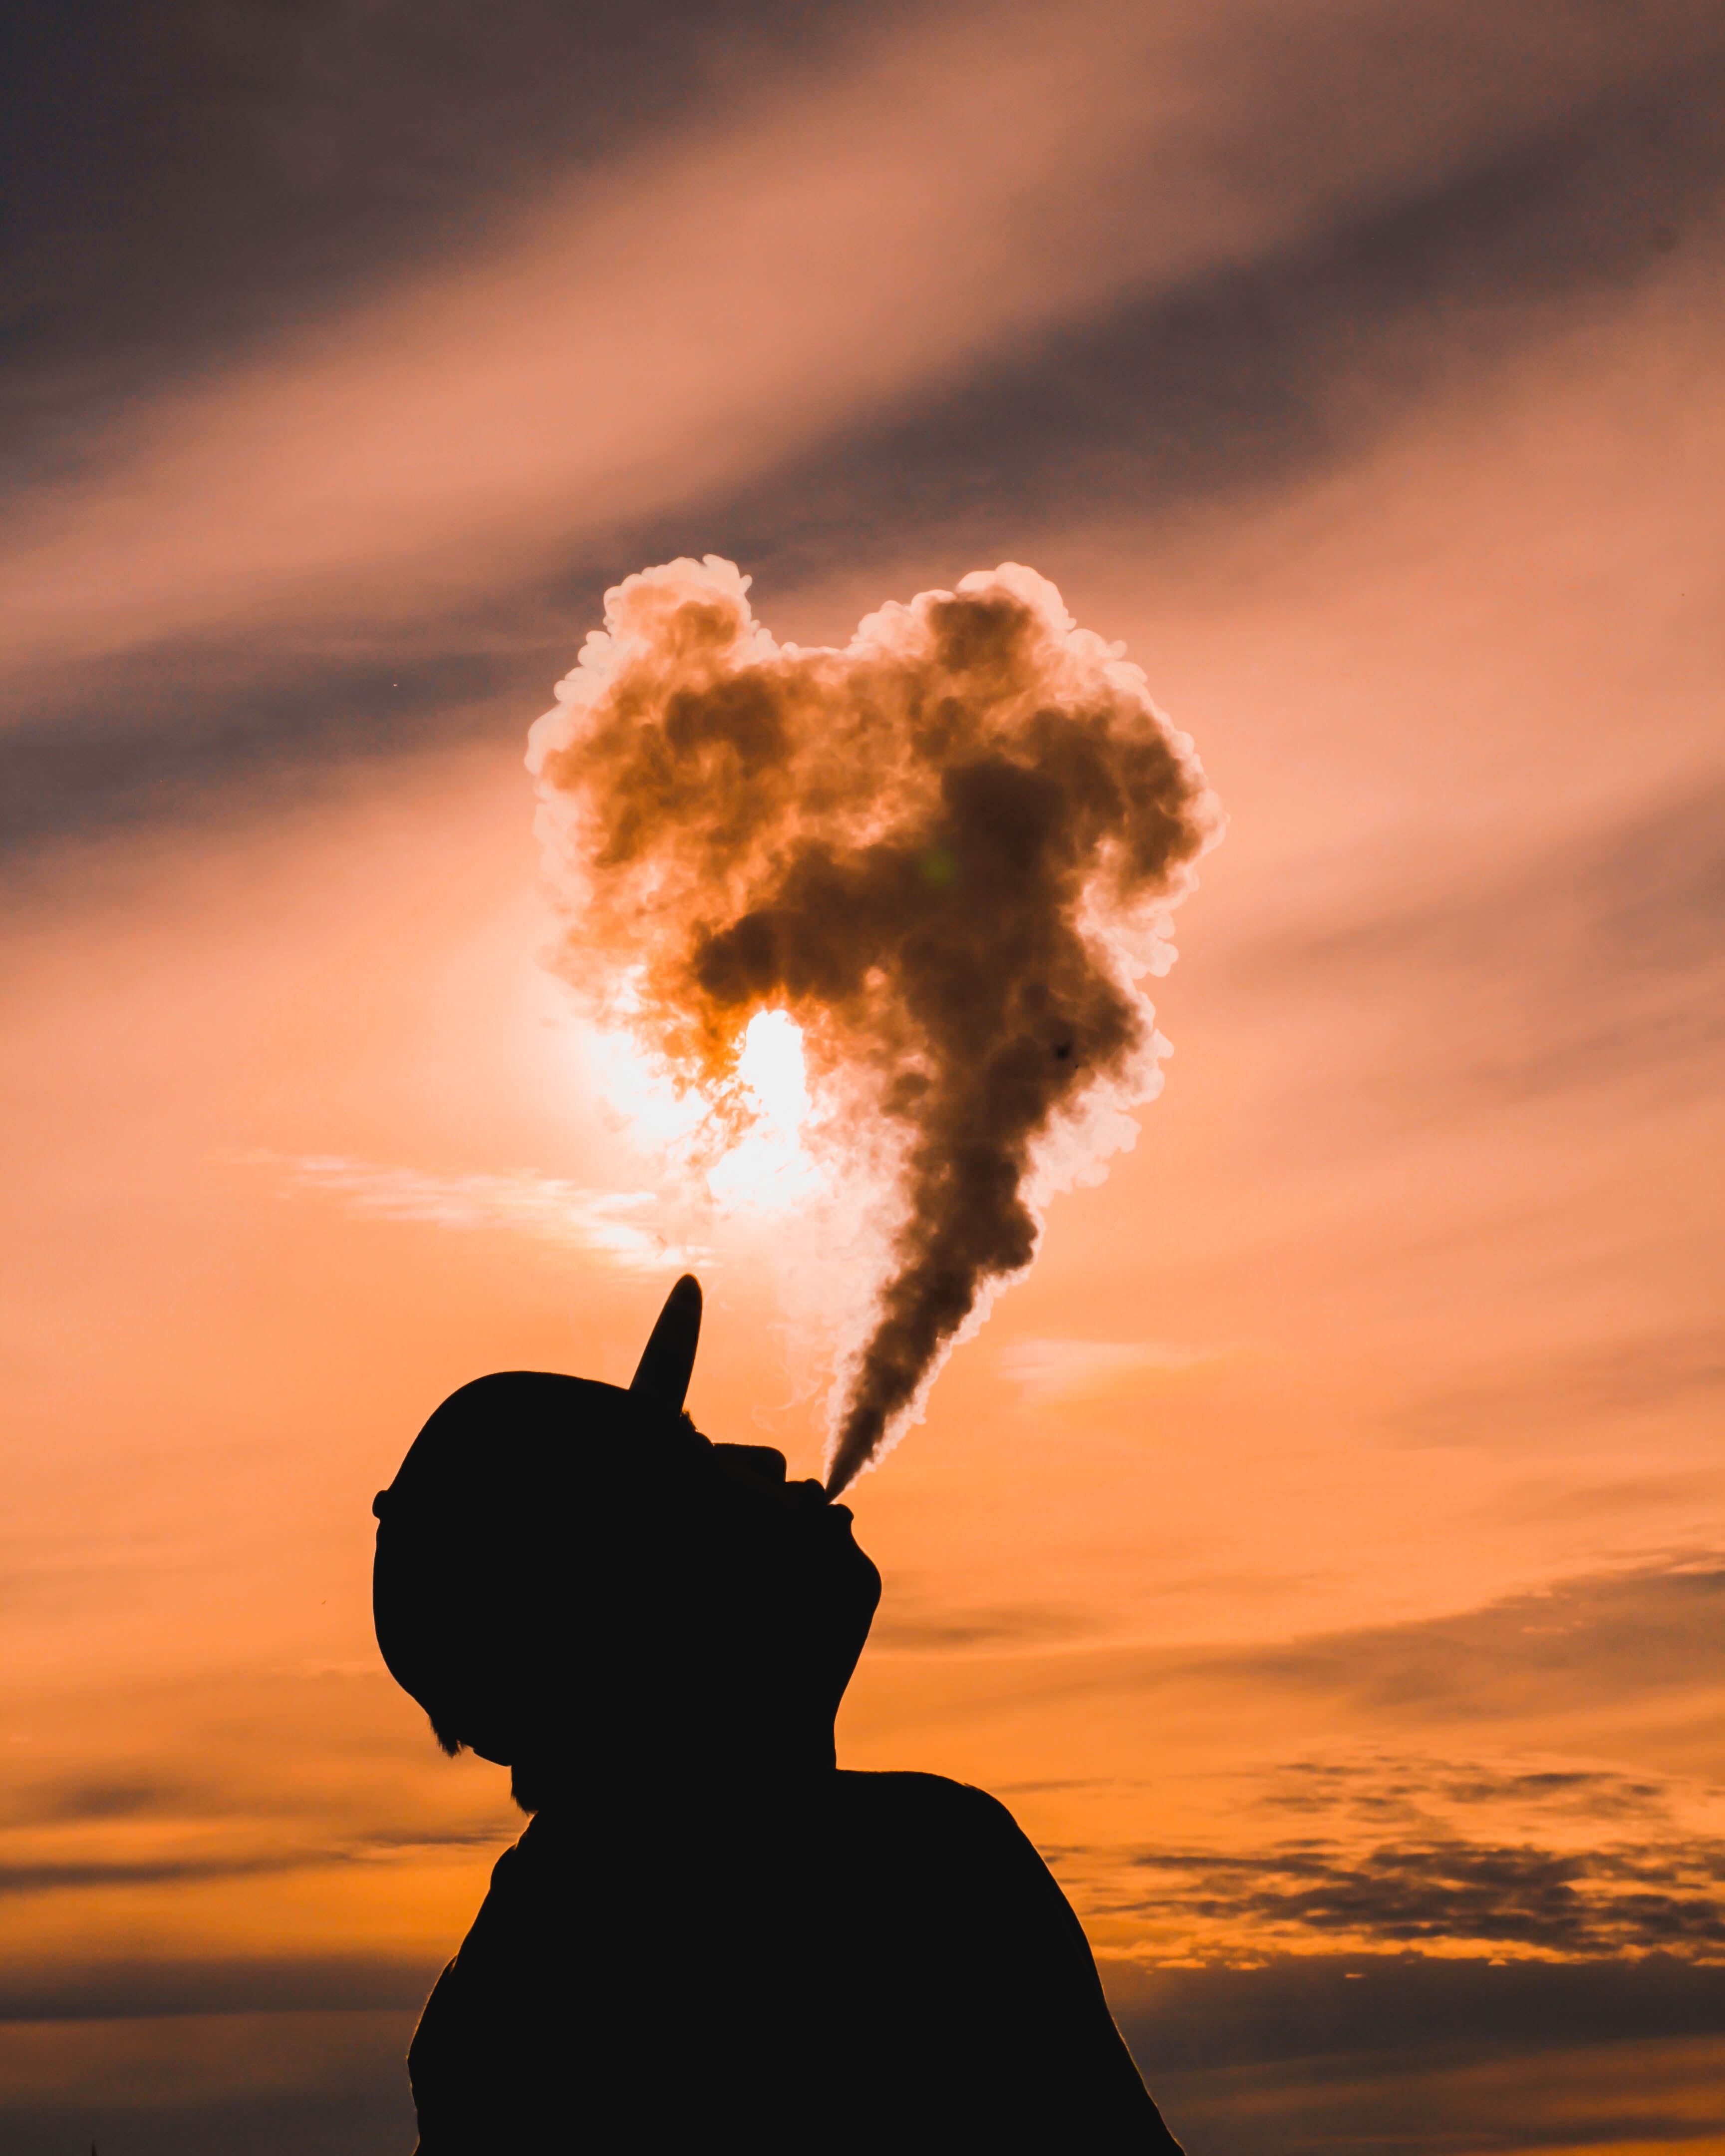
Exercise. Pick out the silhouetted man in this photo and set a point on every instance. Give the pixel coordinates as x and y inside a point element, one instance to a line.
<point>708,1931</point>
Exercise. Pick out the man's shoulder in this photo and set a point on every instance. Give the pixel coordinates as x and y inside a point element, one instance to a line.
<point>929,1810</point>
<point>905,1790</point>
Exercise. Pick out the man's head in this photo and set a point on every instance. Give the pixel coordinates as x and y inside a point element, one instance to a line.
<point>573,1581</point>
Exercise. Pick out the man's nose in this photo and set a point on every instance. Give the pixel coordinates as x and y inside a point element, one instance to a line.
<point>756,1460</point>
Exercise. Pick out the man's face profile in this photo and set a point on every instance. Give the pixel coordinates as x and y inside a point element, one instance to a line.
<point>821,1589</point>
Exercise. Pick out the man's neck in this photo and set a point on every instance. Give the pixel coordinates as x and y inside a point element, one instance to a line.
<point>651,1780</point>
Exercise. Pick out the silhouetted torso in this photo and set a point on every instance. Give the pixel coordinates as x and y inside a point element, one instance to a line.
<point>878,1960</point>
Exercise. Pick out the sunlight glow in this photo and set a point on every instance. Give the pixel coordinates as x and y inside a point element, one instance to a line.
<point>765,1168</point>
<point>769,1169</point>
<point>771,1067</point>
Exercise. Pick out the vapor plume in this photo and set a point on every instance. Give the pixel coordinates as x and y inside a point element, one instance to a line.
<point>947,851</point>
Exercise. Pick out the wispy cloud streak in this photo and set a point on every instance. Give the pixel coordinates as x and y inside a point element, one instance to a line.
<point>1049,1370</point>
<point>703,306</point>
<point>617,1227</point>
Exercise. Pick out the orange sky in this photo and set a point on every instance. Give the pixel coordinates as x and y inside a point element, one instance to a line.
<point>1321,1552</point>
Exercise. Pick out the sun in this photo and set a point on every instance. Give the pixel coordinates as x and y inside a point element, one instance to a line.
<point>771,1067</point>
<point>768,1168</point>
<point>759,1162</point>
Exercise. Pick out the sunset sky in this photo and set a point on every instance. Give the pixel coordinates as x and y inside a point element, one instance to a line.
<point>1323,1551</point>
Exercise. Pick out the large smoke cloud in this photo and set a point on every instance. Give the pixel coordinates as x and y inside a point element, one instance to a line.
<point>947,850</point>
